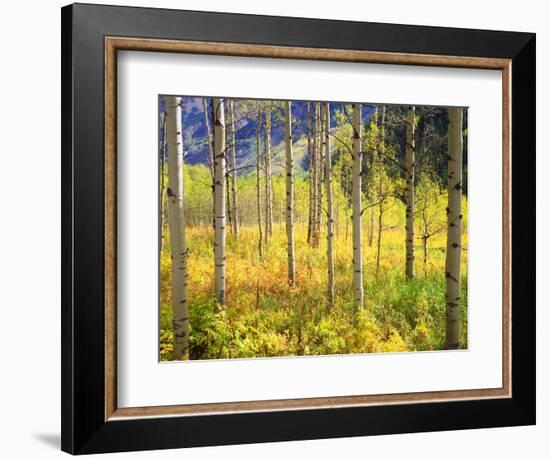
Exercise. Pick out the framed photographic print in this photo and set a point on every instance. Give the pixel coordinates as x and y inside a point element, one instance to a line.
<point>282,228</point>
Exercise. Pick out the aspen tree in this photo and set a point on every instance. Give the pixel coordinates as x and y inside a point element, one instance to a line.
<point>210,141</point>
<point>228,207</point>
<point>258,181</point>
<point>289,195</point>
<point>267,165</point>
<point>409,193</point>
<point>209,138</point>
<point>162,201</point>
<point>176,220</point>
<point>219,199</point>
<point>310,176</point>
<point>314,177</point>
<point>373,159</point>
<point>320,162</point>
<point>228,210</point>
<point>330,211</point>
<point>454,230</point>
<point>356,209</point>
<point>235,212</point>
<point>317,166</point>
<point>380,175</point>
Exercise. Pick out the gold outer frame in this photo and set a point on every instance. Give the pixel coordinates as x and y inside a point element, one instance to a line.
<point>114,44</point>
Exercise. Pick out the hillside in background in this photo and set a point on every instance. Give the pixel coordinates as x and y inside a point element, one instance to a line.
<point>195,133</point>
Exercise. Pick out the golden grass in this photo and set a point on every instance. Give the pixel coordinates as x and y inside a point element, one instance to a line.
<point>264,316</point>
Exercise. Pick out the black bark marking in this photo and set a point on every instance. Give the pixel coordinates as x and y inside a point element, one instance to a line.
<point>448,275</point>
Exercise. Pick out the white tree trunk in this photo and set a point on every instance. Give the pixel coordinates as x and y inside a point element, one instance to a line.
<point>210,142</point>
<point>208,138</point>
<point>258,182</point>
<point>454,230</point>
<point>290,195</point>
<point>356,209</point>
<point>228,213</point>
<point>267,164</point>
<point>310,176</point>
<point>219,200</point>
<point>235,209</point>
<point>409,193</point>
<point>176,218</point>
<point>162,182</point>
<point>330,211</point>
<point>320,162</point>
<point>380,176</point>
<point>314,178</point>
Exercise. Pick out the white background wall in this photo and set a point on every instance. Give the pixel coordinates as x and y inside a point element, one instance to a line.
<point>30,227</point>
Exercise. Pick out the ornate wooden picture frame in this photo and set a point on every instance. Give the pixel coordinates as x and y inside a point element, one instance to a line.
<point>92,35</point>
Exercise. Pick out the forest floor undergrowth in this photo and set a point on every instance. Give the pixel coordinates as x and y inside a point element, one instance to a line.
<point>263,316</point>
